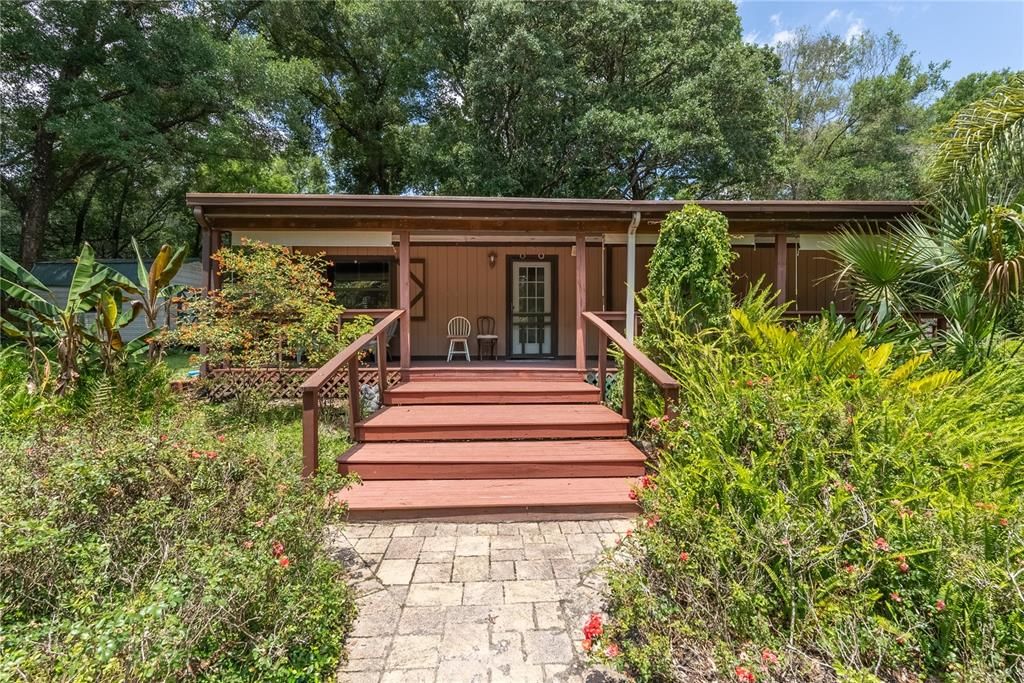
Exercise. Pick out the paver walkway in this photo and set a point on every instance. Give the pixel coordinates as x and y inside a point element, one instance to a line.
<point>474,602</point>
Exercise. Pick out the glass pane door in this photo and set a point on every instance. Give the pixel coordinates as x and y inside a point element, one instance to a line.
<point>532,319</point>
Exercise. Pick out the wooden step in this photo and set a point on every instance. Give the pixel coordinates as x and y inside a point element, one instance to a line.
<point>479,391</point>
<point>493,460</point>
<point>505,499</point>
<point>507,371</point>
<point>487,422</point>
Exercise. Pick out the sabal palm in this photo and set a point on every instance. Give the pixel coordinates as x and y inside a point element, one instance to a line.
<point>963,256</point>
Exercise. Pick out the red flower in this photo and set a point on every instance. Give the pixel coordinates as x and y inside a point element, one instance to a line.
<point>195,455</point>
<point>284,561</point>
<point>750,382</point>
<point>587,644</point>
<point>684,556</point>
<point>652,520</point>
<point>612,650</point>
<point>646,482</point>
<point>903,566</point>
<point>1003,521</point>
<point>744,675</point>
<point>895,597</point>
<point>211,455</point>
<point>848,487</point>
<point>850,569</point>
<point>882,544</point>
<point>769,657</point>
<point>654,423</point>
<point>940,605</point>
<point>629,533</point>
<point>632,494</point>
<point>853,375</point>
<point>163,437</point>
<point>277,548</point>
<point>593,627</point>
<point>220,437</point>
<point>247,544</point>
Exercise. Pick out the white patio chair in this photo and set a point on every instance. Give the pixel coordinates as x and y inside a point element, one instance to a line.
<point>458,333</point>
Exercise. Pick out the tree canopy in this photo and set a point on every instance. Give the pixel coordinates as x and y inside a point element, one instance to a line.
<point>114,109</point>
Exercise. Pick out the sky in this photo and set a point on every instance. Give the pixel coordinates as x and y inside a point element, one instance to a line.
<point>974,35</point>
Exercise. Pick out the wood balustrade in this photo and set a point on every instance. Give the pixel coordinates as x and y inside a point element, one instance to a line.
<point>631,357</point>
<point>348,361</point>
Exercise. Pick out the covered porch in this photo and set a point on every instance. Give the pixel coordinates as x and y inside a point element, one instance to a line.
<point>532,266</point>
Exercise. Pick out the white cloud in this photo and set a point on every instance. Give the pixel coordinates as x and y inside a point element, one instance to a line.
<point>776,20</point>
<point>831,16</point>
<point>783,36</point>
<point>855,30</point>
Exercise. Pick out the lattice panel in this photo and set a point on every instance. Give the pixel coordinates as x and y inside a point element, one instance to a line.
<point>283,383</point>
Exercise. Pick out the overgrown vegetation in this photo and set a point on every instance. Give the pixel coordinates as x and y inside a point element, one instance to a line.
<point>144,537</point>
<point>825,510</point>
<point>273,308</point>
<point>60,341</point>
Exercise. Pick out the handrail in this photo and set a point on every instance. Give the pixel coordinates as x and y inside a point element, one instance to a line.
<point>348,357</point>
<point>631,356</point>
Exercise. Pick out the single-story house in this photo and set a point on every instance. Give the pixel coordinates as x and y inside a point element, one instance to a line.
<point>532,265</point>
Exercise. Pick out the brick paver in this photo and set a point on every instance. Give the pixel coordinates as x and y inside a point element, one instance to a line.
<point>445,602</point>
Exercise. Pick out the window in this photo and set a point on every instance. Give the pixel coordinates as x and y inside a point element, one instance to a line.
<point>362,283</point>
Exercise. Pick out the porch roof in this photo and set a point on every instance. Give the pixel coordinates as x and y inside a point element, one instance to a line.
<point>466,215</point>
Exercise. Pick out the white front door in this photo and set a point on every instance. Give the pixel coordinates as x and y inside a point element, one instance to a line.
<point>532,309</point>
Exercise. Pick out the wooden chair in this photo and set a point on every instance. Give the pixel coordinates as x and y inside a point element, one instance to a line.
<point>459,330</point>
<point>485,338</point>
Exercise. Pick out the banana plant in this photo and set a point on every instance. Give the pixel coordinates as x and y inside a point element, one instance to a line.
<point>111,317</point>
<point>154,285</point>
<point>43,325</point>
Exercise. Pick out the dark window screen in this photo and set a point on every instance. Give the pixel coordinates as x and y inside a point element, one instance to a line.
<point>362,284</point>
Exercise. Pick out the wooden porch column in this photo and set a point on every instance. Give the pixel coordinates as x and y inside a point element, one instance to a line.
<point>405,334</point>
<point>216,242</point>
<point>780,266</point>
<point>581,301</point>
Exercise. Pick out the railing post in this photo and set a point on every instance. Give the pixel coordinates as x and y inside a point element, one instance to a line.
<point>353,393</point>
<point>382,365</point>
<point>671,397</point>
<point>602,363</point>
<point>310,431</point>
<point>627,390</point>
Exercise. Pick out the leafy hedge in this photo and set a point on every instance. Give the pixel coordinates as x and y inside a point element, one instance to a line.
<point>822,511</point>
<point>146,539</point>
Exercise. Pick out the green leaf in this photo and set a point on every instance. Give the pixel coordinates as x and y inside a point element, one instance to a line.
<point>10,265</point>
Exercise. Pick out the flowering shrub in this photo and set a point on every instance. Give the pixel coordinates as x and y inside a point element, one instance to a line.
<point>823,510</point>
<point>148,540</point>
<point>274,307</point>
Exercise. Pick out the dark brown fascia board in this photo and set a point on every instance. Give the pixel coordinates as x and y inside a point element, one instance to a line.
<point>274,211</point>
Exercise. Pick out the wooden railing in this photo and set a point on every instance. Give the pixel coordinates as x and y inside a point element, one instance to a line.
<point>348,361</point>
<point>631,357</point>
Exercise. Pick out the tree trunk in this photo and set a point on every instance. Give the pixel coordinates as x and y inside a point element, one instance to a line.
<point>83,214</point>
<point>36,214</point>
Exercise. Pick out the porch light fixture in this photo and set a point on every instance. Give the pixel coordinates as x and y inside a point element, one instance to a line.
<point>492,259</point>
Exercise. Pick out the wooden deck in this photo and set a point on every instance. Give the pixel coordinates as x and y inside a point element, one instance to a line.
<point>492,442</point>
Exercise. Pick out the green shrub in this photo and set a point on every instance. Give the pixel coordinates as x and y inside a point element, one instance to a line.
<point>146,539</point>
<point>689,268</point>
<point>274,307</point>
<point>820,503</point>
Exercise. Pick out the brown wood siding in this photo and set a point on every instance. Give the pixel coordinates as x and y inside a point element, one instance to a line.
<point>460,281</point>
<point>810,281</point>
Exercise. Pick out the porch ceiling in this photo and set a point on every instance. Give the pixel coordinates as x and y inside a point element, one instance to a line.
<point>475,215</point>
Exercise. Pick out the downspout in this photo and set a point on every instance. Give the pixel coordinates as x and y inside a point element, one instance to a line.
<point>631,275</point>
